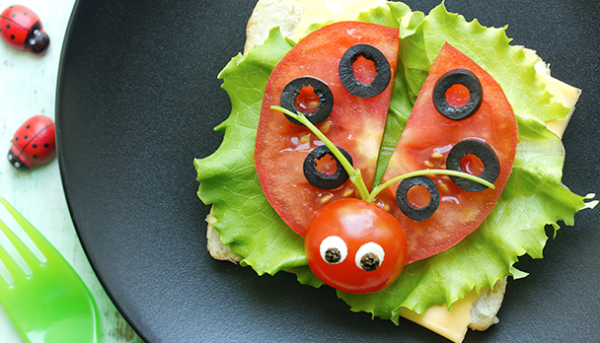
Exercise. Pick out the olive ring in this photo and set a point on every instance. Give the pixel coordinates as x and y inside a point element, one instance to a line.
<point>458,77</point>
<point>292,89</point>
<point>491,166</point>
<point>323,180</point>
<point>417,214</point>
<point>382,68</point>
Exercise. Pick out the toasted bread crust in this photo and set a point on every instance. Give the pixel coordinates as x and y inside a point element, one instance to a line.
<point>216,248</point>
<point>486,307</point>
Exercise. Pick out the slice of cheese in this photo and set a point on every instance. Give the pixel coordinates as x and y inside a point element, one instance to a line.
<point>450,324</point>
<point>321,11</point>
<point>563,93</point>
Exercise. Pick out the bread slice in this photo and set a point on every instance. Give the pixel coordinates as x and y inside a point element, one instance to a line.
<point>483,307</point>
<point>214,244</point>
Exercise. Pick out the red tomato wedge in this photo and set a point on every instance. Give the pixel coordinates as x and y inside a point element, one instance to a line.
<point>355,124</point>
<point>425,144</point>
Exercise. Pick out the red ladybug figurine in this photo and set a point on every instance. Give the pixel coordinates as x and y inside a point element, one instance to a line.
<point>33,144</point>
<point>22,29</point>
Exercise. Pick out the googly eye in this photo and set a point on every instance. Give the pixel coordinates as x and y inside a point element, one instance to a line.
<point>333,249</point>
<point>369,256</point>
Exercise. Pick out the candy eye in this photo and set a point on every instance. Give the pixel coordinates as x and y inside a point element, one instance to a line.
<point>333,250</point>
<point>369,256</point>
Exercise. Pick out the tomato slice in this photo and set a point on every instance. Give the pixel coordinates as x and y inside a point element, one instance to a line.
<point>355,124</point>
<point>426,143</point>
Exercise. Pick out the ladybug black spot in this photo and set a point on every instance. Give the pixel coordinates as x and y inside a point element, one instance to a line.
<point>462,77</point>
<point>16,138</point>
<point>8,26</point>
<point>14,15</point>
<point>28,126</point>
<point>487,155</point>
<point>35,157</point>
<point>24,13</point>
<point>324,180</point>
<point>417,214</point>
<point>25,137</point>
<point>46,145</point>
<point>35,146</point>
<point>12,36</point>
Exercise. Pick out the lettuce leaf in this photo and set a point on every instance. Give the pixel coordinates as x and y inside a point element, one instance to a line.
<point>245,219</point>
<point>533,197</point>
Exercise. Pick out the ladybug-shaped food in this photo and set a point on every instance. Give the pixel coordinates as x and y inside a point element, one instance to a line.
<point>22,29</point>
<point>33,144</point>
<point>340,79</point>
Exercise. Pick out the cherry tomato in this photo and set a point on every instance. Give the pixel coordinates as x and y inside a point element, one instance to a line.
<point>355,246</point>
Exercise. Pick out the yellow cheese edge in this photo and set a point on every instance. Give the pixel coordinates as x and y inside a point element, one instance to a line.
<point>450,324</point>
<point>562,93</point>
<point>321,11</point>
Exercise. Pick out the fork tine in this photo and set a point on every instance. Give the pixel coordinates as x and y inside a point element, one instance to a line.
<point>9,261</point>
<point>25,252</point>
<point>39,240</point>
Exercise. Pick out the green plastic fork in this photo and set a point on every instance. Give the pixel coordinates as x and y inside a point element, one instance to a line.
<point>52,304</point>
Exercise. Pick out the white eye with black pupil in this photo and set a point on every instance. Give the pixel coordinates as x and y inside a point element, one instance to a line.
<point>333,249</point>
<point>369,256</point>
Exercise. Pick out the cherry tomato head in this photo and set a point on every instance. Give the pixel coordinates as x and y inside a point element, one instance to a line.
<point>355,246</point>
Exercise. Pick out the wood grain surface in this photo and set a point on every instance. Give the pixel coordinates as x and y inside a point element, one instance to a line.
<point>28,88</point>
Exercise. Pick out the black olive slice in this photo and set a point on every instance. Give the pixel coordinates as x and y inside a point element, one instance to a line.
<point>351,83</point>
<point>292,89</point>
<point>417,214</point>
<point>491,166</point>
<point>458,77</point>
<point>323,180</point>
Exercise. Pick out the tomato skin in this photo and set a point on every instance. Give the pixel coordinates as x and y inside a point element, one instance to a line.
<point>425,144</point>
<point>356,222</point>
<point>355,124</point>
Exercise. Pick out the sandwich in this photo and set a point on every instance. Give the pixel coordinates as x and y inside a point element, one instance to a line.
<point>244,227</point>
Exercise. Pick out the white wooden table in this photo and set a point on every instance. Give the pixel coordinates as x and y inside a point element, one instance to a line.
<point>28,88</point>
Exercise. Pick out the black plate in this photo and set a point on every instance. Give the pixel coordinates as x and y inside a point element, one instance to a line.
<point>138,99</point>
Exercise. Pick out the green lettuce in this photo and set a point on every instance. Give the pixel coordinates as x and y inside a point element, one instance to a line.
<point>532,198</point>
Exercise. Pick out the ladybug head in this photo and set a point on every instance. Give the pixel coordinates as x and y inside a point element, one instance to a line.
<point>37,41</point>
<point>16,162</point>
